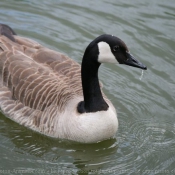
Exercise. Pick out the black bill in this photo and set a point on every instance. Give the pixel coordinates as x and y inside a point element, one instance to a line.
<point>131,61</point>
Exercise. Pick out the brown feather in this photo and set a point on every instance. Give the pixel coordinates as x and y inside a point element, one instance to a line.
<point>35,80</point>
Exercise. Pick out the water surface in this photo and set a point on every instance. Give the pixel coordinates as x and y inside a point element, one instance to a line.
<point>145,142</point>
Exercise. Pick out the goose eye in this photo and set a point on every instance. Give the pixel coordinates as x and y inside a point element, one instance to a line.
<point>116,48</point>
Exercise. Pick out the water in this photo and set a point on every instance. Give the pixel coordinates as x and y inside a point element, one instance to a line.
<point>141,75</point>
<point>145,142</point>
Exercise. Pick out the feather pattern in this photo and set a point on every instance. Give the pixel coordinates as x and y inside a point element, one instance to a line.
<point>35,78</point>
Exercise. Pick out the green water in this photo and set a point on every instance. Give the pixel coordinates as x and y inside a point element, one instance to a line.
<point>145,142</point>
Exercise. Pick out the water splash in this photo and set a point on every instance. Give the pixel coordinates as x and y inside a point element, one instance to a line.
<point>141,75</point>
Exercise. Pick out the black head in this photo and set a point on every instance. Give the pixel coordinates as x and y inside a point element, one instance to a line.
<point>111,49</point>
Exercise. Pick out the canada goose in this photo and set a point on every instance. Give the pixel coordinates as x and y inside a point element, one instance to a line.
<point>52,94</point>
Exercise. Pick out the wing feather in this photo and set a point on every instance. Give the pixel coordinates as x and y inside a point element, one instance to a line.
<point>37,77</point>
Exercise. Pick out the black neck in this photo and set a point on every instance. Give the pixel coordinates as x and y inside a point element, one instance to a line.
<point>93,99</point>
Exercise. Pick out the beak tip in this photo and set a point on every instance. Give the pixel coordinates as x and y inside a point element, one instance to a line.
<point>145,68</point>
<point>131,61</point>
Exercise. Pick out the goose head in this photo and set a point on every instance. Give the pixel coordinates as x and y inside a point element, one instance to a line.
<point>111,49</point>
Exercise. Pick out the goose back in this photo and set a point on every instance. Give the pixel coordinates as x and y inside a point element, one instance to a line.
<point>35,82</point>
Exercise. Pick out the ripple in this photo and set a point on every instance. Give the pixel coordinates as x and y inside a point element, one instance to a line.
<point>149,141</point>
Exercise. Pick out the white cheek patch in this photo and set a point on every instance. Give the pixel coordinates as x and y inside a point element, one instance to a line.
<point>105,54</point>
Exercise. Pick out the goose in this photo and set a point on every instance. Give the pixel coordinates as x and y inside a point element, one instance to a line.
<point>50,93</point>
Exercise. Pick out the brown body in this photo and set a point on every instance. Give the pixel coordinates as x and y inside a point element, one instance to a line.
<point>34,80</point>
